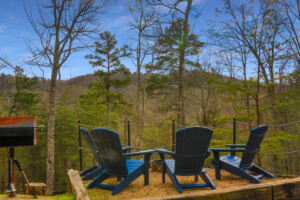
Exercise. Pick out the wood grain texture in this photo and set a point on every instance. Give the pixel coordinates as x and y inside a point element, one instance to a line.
<point>40,189</point>
<point>76,186</point>
<point>279,190</point>
<point>288,189</point>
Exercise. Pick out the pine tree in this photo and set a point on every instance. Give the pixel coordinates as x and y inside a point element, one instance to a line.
<point>23,98</point>
<point>168,61</point>
<point>112,74</point>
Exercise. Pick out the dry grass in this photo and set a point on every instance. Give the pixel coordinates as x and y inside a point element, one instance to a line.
<point>156,188</point>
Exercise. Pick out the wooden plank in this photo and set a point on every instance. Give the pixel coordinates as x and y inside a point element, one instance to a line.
<point>76,186</point>
<point>287,189</point>
<point>257,192</point>
<point>279,190</point>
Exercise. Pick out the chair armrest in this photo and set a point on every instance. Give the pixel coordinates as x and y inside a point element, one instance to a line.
<point>146,152</point>
<point>226,150</point>
<point>164,151</point>
<point>236,145</point>
<point>126,149</point>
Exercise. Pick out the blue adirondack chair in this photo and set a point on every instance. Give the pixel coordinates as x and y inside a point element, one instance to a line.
<point>115,163</point>
<point>191,150</point>
<point>236,165</point>
<point>95,170</point>
<point>98,167</point>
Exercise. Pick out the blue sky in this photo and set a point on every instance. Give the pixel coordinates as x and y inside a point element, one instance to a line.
<point>16,31</point>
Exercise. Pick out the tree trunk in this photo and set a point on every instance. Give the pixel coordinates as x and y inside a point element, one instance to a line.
<point>16,96</point>
<point>138,96</point>
<point>257,97</point>
<point>50,133</point>
<point>108,90</point>
<point>140,90</point>
<point>180,107</point>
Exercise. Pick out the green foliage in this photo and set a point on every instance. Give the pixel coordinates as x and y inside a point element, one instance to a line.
<point>158,84</point>
<point>95,103</point>
<point>153,137</point>
<point>112,74</point>
<point>280,141</point>
<point>23,99</point>
<point>170,43</point>
<point>221,137</point>
<point>107,57</point>
<point>66,151</point>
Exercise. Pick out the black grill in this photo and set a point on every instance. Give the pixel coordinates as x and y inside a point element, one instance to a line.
<point>18,131</point>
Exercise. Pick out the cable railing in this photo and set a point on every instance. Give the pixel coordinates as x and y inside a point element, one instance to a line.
<point>267,157</point>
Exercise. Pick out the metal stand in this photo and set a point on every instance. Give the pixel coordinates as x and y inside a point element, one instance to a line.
<point>11,174</point>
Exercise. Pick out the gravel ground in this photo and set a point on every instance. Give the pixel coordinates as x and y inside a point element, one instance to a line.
<point>157,189</point>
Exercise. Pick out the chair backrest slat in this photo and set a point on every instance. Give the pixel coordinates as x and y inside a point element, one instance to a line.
<point>110,150</point>
<point>191,149</point>
<point>91,144</point>
<point>253,145</point>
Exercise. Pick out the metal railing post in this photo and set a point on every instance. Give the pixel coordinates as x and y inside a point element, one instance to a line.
<point>173,135</point>
<point>80,150</point>
<point>128,132</point>
<point>234,132</point>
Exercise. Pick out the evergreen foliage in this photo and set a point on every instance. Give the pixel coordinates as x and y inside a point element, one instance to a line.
<point>112,74</point>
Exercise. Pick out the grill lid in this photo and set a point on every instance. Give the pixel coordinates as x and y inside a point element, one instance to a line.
<point>18,131</point>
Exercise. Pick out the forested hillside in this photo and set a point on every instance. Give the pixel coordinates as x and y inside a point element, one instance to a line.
<point>246,66</point>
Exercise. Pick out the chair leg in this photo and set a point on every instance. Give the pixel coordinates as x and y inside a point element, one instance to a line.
<point>102,177</point>
<point>174,181</point>
<point>207,180</point>
<point>146,169</point>
<point>93,174</point>
<point>196,178</point>
<point>85,172</point>
<point>259,170</point>
<point>163,175</point>
<point>239,172</point>
<point>129,179</point>
<point>216,162</point>
<point>163,167</point>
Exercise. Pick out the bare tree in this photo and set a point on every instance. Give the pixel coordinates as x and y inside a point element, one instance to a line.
<point>203,79</point>
<point>256,26</point>
<point>143,18</point>
<point>180,9</point>
<point>61,27</point>
<point>291,10</point>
